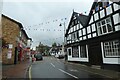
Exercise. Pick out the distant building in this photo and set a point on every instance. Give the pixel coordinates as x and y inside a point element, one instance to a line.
<point>94,40</point>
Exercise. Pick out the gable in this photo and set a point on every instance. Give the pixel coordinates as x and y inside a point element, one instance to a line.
<point>78,20</point>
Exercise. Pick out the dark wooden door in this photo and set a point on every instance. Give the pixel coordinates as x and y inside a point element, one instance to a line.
<point>95,54</point>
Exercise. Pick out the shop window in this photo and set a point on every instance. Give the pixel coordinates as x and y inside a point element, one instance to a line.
<point>112,48</point>
<point>75,51</point>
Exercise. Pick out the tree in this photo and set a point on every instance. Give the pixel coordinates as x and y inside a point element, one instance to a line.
<point>54,44</point>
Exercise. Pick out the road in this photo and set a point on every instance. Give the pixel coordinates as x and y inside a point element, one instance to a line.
<point>52,67</point>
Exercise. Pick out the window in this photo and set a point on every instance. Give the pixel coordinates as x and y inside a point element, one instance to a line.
<point>102,13</point>
<point>91,20</point>
<point>77,26</point>
<point>84,37</point>
<point>93,28</point>
<point>89,36</point>
<point>83,53</point>
<point>84,31</point>
<point>88,30</point>
<point>116,18</point>
<point>112,48</point>
<point>109,10</point>
<point>69,52</point>
<point>116,6</point>
<point>96,16</point>
<point>117,28</point>
<point>94,35</point>
<point>74,28</point>
<point>75,51</point>
<point>76,21</point>
<point>81,26</point>
<point>80,33</point>
<point>104,26</point>
<point>80,38</point>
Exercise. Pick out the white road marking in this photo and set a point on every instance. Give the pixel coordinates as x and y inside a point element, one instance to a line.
<point>30,77</point>
<point>68,73</point>
<point>52,64</point>
<point>73,70</point>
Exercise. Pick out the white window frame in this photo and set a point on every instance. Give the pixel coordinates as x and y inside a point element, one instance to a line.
<point>101,26</point>
<point>116,18</point>
<point>86,51</point>
<point>88,29</point>
<point>96,16</point>
<point>111,49</point>
<point>93,27</point>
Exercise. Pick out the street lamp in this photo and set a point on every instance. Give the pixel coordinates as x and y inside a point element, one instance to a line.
<point>64,37</point>
<point>64,31</point>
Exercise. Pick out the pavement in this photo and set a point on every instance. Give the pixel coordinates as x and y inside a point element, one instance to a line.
<point>16,71</point>
<point>103,72</point>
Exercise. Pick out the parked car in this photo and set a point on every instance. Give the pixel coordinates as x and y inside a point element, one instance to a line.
<point>38,56</point>
<point>59,55</point>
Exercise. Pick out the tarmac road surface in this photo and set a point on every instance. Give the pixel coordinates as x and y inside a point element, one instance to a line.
<point>51,67</point>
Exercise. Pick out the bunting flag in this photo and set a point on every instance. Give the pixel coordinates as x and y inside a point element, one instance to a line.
<point>49,39</point>
<point>44,29</point>
<point>48,22</point>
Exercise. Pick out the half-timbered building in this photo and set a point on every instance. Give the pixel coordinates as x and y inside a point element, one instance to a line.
<point>99,39</point>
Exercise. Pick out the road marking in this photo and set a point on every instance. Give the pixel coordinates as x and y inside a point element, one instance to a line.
<point>30,77</point>
<point>68,73</point>
<point>73,70</point>
<point>52,64</point>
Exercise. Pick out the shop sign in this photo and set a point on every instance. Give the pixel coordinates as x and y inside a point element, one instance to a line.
<point>9,54</point>
<point>10,46</point>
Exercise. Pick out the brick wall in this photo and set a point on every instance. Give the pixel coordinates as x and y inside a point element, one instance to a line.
<point>10,30</point>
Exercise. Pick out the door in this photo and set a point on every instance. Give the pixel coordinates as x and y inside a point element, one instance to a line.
<point>95,54</point>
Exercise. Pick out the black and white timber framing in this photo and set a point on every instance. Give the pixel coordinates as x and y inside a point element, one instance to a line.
<point>95,39</point>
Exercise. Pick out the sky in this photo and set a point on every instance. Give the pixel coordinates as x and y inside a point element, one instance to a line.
<point>41,18</point>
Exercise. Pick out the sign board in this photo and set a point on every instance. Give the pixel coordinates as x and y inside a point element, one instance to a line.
<point>10,46</point>
<point>9,54</point>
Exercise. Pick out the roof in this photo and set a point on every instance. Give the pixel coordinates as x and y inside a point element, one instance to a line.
<point>25,33</point>
<point>93,7</point>
<point>80,17</point>
<point>20,25</point>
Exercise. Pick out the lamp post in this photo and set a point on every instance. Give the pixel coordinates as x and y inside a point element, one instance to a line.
<point>63,48</point>
<point>64,31</point>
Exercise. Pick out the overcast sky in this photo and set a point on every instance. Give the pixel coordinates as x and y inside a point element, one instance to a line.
<point>41,18</point>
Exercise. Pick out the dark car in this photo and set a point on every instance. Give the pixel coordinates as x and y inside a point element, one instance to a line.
<point>38,57</point>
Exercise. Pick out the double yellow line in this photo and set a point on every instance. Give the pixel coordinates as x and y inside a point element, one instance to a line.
<point>30,77</point>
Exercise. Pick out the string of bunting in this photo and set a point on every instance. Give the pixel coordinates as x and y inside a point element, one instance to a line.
<point>48,22</point>
<point>49,39</point>
<point>44,29</point>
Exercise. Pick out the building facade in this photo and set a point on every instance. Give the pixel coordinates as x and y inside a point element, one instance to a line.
<point>99,43</point>
<point>15,41</point>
